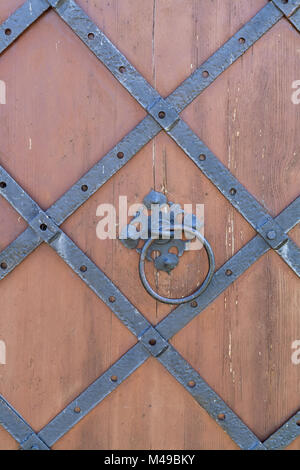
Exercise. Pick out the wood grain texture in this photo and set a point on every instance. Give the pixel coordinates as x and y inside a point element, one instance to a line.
<point>247,358</point>
<point>64,111</point>
<point>6,441</point>
<point>131,418</point>
<point>7,8</point>
<point>294,445</point>
<point>59,337</point>
<point>247,118</point>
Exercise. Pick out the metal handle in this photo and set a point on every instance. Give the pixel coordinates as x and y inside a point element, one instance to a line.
<point>211,260</point>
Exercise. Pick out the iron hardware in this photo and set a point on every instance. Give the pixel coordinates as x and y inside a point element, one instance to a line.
<point>162,231</point>
<point>168,261</point>
<point>162,114</point>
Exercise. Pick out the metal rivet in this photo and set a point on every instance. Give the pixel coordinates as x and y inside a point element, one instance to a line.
<point>221,416</point>
<point>84,187</point>
<point>2,184</point>
<point>232,191</point>
<point>120,154</point>
<point>83,268</point>
<point>3,265</point>
<point>43,227</point>
<point>205,74</point>
<point>152,342</point>
<point>8,31</point>
<point>77,409</point>
<point>114,378</point>
<point>112,299</point>
<point>122,69</point>
<point>228,272</point>
<point>194,304</point>
<point>161,114</point>
<point>91,35</point>
<point>271,235</point>
<point>202,157</point>
<point>191,383</point>
<point>242,40</point>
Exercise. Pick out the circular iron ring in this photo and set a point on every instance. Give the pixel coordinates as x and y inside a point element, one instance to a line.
<point>211,260</point>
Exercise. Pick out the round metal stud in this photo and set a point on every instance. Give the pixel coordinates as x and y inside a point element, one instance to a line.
<point>271,235</point>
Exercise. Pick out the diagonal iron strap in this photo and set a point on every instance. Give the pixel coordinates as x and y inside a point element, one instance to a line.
<point>179,369</point>
<point>295,20</point>
<point>209,400</point>
<point>49,232</point>
<point>168,118</point>
<point>20,20</point>
<point>204,395</point>
<point>227,274</point>
<point>18,428</point>
<point>17,251</point>
<point>285,435</point>
<point>148,128</point>
<point>94,394</point>
<point>288,7</point>
<point>164,116</point>
<point>224,57</point>
<point>108,165</point>
<point>38,220</point>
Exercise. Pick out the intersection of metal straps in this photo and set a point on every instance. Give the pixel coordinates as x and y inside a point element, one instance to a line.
<point>163,114</point>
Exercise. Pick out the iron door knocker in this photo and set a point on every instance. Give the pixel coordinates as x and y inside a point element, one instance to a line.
<point>160,232</point>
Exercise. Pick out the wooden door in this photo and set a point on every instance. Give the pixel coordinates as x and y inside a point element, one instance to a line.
<point>76,321</point>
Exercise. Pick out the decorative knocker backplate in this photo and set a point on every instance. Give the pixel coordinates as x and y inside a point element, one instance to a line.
<point>162,231</point>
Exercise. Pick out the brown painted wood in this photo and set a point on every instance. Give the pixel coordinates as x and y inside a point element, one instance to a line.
<point>155,394</point>
<point>255,135</point>
<point>64,111</point>
<point>295,445</point>
<point>6,441</point>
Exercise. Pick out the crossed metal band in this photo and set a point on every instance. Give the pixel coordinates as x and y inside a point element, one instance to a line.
<point>163,114</point>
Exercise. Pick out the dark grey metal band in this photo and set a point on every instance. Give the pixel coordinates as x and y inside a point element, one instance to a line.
<point>94,394</point>
<point>170,121</point>
<point>148,128</point>
<point>91,397</point>
<point>18,428</point>
<point>295,19</point>
<point>212,168</point>
<point>20,20</point>
<point>224,57</point>
<point>235,266</point>
<point>285,435</point>
<point>291,10</point>
<point>103,386</point>
<point>288,7</point>
<point>163,114</point>
<point>234,192</point>
<point>209,400</point>
<point>50,233</point>
<point>178,368</point>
